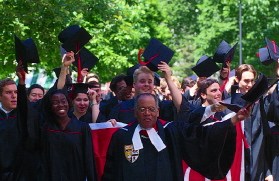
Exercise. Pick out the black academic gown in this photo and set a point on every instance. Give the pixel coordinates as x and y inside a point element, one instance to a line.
<point>201,147</point>
<point>107,105</point>
<point>67,154</point>
<point>124,112</point>
<point>273,152</point>
<point>12,136</point>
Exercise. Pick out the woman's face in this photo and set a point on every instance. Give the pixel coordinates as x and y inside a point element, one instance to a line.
<point>81,103</point>
<point>59,105</point>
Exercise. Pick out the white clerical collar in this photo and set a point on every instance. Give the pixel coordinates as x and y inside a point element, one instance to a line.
<point>1,107</point>
<point>155,139</point>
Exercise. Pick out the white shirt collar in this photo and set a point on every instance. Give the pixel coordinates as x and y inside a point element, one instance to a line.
<point>7,112</point>
<point>155,139</point>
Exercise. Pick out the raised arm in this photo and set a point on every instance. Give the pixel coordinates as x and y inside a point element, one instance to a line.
<point>67,60</point>
<point>175,92</point>
<point>22,105</point>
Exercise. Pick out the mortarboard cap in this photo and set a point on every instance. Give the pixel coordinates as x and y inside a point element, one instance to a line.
<point>68,33</point>
<point>224,53</point>
<point>265,56</point>
<point>77,40</point>
<point>26,52</point>
<point>154,53</point>
<point>87,59</point>
<point>31,51</point>
<point>79,88</point>
<point>273,49</point>
<point>205,67</point>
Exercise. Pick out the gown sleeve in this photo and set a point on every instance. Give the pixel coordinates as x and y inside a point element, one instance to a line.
<point>206,149</point>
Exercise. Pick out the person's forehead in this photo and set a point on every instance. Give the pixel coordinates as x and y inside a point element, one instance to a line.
<point>37,90</point>
<point>121,83</point>
<point>82,95</point>
<point>145,99</point>
<point>9,87</point>
<point>247,75</point>
<point>145,76</point>
<point>58,96</point>
<point>214,85</point>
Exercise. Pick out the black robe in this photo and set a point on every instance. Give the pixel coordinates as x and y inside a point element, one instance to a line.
<point>201,147</point>
<point>64,154</point>
<point>107,105</point>
<point>67,154</point>
<point>12,135</point>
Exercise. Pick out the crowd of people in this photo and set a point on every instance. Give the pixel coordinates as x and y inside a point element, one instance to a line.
<point>203,129</point>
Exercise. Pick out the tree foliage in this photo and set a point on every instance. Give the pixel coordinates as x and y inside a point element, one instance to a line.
<point>119,28</point>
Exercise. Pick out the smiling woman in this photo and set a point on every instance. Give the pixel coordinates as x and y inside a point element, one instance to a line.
<point>65,143</point>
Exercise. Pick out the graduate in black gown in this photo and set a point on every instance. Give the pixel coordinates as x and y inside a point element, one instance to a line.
<point>152,149</point>
<point>13,133</point>
<point>122,92</point>
<point>85,98</point>
<point>64,143</point>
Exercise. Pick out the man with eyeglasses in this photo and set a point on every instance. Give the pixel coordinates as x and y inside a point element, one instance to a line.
<point>152,149</point>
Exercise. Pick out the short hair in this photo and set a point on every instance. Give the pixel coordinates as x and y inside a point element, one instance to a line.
<point>92,75</point>
<point>243,68</point>
<point>115,80</point>
<point>5,82</point>
<point>146,94</point>
<point>34,86</point>
<point>142,69</point>
<point>204,85</point>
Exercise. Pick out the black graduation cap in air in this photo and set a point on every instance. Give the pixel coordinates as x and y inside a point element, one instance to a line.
<point>273,49</point>
<point>76,41</point>
<point>68,33</point>
<point>87,59</point>
<point>26,52</point>
<point>264,56</point>
<point>205,67</point>
<point>224,53</point>
<point>154,53</point>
